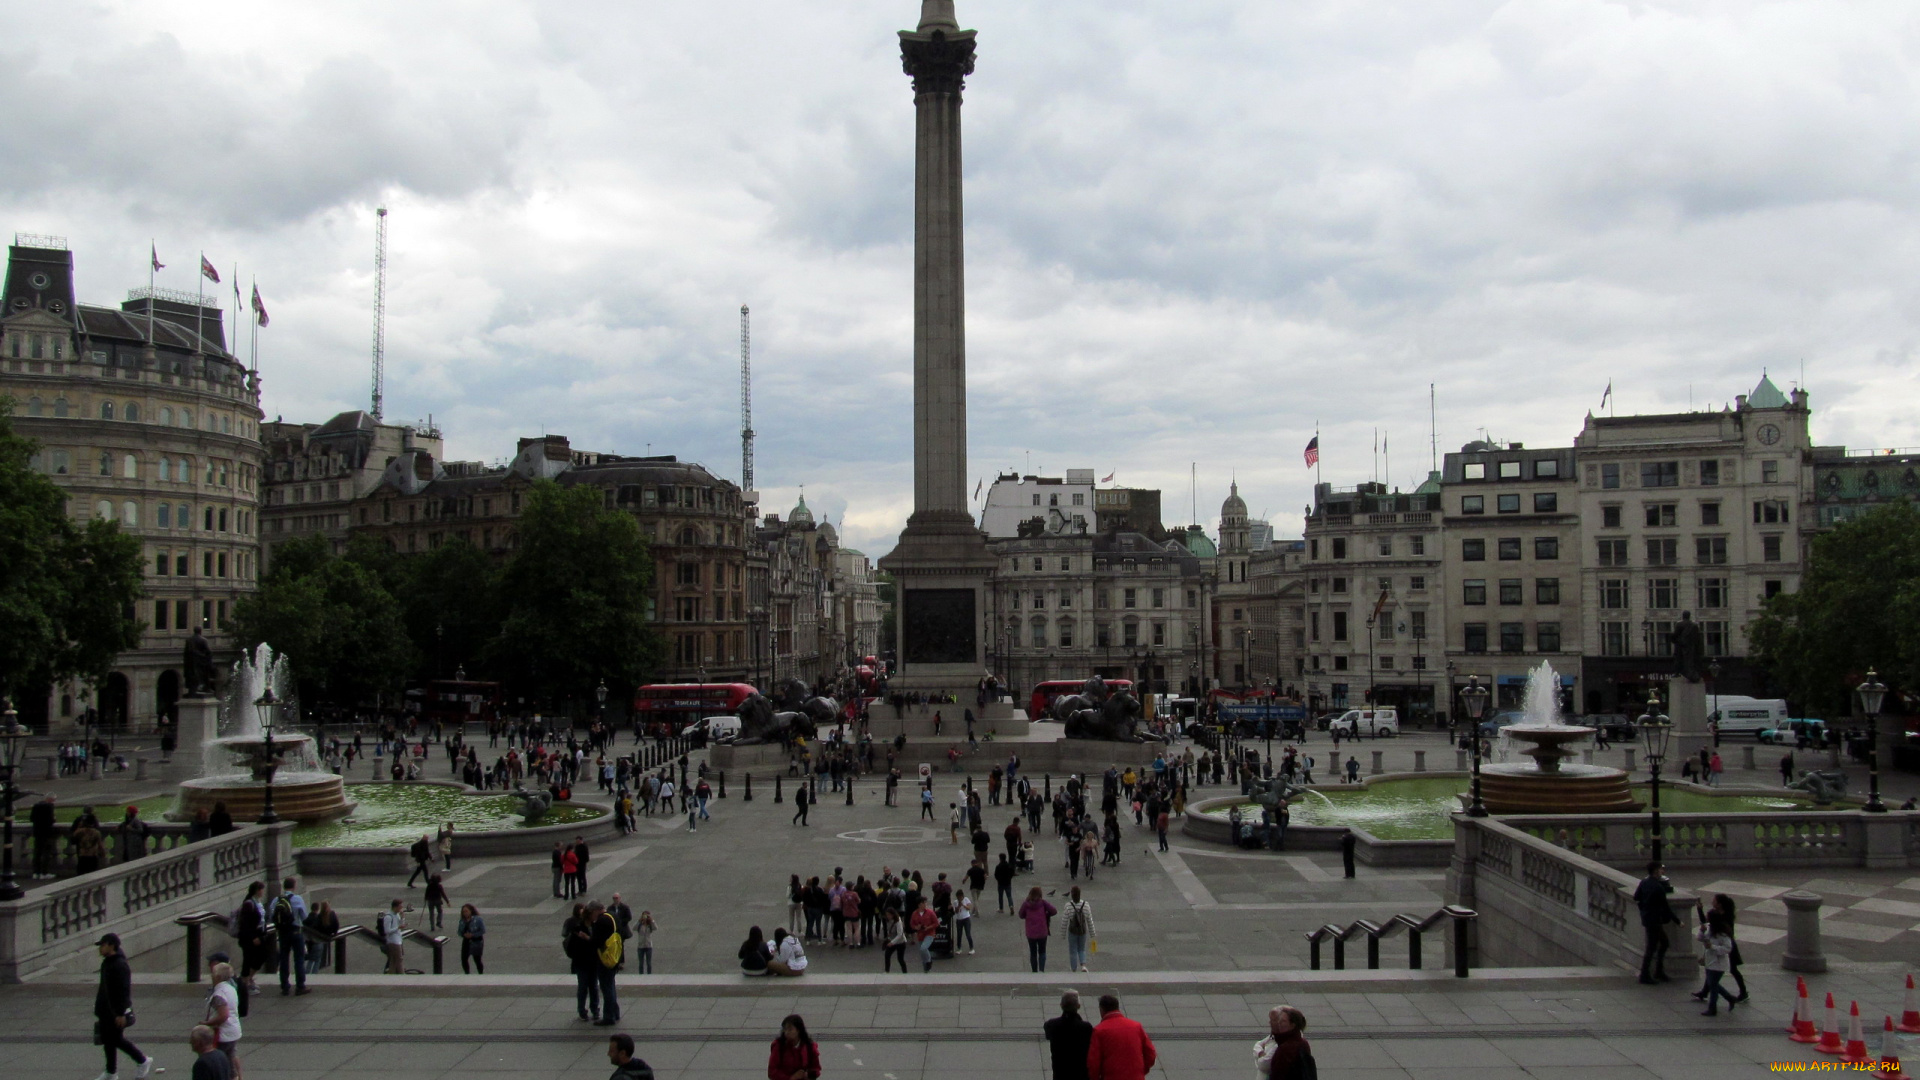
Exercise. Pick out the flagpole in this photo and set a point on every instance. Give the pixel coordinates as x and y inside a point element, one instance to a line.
<point>254,335</point>
<point>1321,454</point>
<point>200,301</point>
<point>1433,432</point>
<point>233,343</point>
<point>153,256</point>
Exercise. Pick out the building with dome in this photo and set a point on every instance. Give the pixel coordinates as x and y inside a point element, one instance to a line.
<point>144,417</point>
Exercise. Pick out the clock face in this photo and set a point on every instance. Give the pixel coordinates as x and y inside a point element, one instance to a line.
<point>1768,434</point>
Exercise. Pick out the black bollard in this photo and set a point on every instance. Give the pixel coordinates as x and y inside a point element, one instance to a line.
<point>747,794</point>
<point>776,788</point>
<point>723,783</point>
<point>849,789</point>
<point>1048,779</point>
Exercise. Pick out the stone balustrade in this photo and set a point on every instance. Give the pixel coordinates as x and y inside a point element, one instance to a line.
<point>1769,839</point>
<point>53,927</point>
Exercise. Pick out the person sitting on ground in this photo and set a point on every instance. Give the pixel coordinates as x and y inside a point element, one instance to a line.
<point>753,954</point>
<point>788,957</point>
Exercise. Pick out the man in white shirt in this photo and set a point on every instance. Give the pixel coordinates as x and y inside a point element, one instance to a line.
<point>391,928</point>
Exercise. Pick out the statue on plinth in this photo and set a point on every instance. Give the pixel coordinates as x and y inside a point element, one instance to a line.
<point>1689,647</point>
<point>1099,713</point>
<point>198,665</point>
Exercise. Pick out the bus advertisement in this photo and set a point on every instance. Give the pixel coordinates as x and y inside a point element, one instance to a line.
<point>673,707</point>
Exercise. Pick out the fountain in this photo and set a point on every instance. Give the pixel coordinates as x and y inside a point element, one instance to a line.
<point>1552,784</point>
<point>235,765</point>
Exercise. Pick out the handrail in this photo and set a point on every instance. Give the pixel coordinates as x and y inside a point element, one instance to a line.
<point>1416,928</point>
<point>436,942</point>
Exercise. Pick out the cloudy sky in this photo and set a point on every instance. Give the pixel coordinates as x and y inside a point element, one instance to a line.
<point>1196,230</point>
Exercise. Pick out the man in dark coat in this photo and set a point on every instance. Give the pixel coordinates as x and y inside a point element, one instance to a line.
<point>1068,1036</point>
<point>44,846</point>
<point>113,1008</point>
<point>1655,915</point>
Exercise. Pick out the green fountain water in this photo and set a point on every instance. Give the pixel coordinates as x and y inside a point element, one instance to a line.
<point>394,815</point>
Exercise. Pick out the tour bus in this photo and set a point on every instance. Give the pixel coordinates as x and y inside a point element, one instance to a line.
<point>674,707</point>
<point>457,701</point>
<point>1044,693</point>
<point>1749,716</point>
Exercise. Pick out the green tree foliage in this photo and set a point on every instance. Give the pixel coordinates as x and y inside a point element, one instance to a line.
<point>1858,607</point>
<point>66,590</point>
<point>574,597</point>
<point>334,621</point>
<point>450,599</point>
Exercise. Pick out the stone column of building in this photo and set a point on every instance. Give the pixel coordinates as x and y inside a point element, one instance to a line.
<point>941,562</point>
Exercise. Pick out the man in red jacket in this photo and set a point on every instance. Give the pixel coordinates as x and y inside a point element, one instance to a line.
<point>1120,1049</point>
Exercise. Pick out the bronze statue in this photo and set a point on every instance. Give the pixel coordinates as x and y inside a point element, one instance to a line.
<point>1689,647</point>
<point>1099,713</point>
<point>198,663</point>
<point>761,723</point>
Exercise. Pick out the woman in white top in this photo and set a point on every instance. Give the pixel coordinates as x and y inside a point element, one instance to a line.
<point>788,957</point>
<point>223,1012</point>
<point>962,920</point>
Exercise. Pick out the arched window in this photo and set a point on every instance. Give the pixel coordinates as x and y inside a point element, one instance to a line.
<point>163,518</point>
<point>130,467</point>
<point>62,464</point>
<point>226,425</point>
<point>166,415</point>
<point>183,516</point>
<point>106,410</point>
<point>186,417</point>
<point>103,510</point>
<point>209,526</point>
<point>130,513</point>
<point>165,469</point>
<point>33,406</point>
<point>60,408</point>
<point>132,412</point>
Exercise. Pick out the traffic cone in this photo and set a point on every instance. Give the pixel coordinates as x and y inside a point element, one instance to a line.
<point>1889,1067</point>
<point>1910,1012</point>
<point>1856,1049</point>
<point>1830,1032</point>
<point>1801,1030</point>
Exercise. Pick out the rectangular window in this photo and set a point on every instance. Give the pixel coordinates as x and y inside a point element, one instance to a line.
<point>1313,549</point>
<point>1066,635</point>
<point>1613,593</point>
<point>1509,548</point>
<point>180,615</point>
<point>1473,591</point>
<point>1662,515</point>
<point>1546,636</point>
<point>1770,512</point>
<point>1609,517</point>
<point>687,574</point>
<point>1509,504</point>
<point>1769,472</point>
<point>1130,598</point>
<point>1159,633</point>
<point>1385,631</point>
<point>1710,473</point>
<point>1476,637</point>
<point>1654,474</point>
<point>161,563</point>
<point>1513,637</point>
<point>221,564</point>
<point>1770,549</point>
<point>1418,544</point>
<point>206,564</point>
<point>1546,467</point>
<point>1039,600</point>
<point>1417,583</point>
<point>1663,551</point>
<point>1711,592</point>
<point>1473,551</point>
<point>1417,624</point>
<point>1339,663</point>
<point>1419,663</point>
<point>1509,470</point>
<point>688,608</point>
<point>1339,548</point>
<point>1709,513</point>
<point>1710,550</point>
<point>1663,593</point>
<point>1546,502</point>
<point>1546,547</point>
<point>1771,588</point>
<point>1473,504</point>
<point>1661,641</point>
<point>159,614</point>
<point>1339,584</point>
<point>1386,547</point>
<point>1099,598</point>
<point>1474,470</point>
<point>1613,553</point>
<point>1546,590</point>
<point>1511,591</point>
<point>1039,636</point>
<point>1610,475</point>
<point>1715,633</point>
<point>180,563</point>
<point>1159,598</point>
<point>1313,625</point>
<point>1339,626</point>
<point>1613,639</point>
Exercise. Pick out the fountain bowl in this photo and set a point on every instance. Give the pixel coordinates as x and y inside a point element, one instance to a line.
<point>301,790</point>
<point>1552,785</point>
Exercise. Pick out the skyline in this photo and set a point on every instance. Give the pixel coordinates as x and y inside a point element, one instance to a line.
<point>1518,205</point>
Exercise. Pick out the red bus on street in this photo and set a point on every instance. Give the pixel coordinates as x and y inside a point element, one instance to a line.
<point>1044,693</point>
<point>677,706</point>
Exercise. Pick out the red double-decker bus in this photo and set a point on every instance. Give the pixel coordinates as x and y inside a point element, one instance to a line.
<point>676,706</point>
<point>1044,693</point>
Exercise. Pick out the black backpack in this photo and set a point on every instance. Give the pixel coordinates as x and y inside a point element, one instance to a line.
<point>283,921</point>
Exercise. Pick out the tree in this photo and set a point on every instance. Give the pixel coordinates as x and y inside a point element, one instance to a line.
<point>449,599</point>
<point>1856,609</point>
<point>334,621</point>
<point>574,596</point>
<point>66,590</point>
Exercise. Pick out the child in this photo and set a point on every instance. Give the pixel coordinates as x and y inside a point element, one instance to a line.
<point>1718,950</point>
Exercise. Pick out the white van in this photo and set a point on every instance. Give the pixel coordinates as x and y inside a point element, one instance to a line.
<point>1375,722</point>
<point>719,729</point>
<point>1749,716</point>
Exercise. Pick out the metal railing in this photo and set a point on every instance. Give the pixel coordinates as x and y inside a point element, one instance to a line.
<point>1415,927</point>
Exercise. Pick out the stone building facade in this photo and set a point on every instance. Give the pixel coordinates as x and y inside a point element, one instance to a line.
<point>314,474</point>
<point>144,418</point>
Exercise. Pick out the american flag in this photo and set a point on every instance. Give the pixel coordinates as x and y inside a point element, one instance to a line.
<point>1108,479</point>
<point>1313,451</point>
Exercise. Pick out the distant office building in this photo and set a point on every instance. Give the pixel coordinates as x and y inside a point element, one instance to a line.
<point>1039,505</point>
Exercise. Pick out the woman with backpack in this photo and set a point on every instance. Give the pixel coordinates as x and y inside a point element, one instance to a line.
<point>1079,915</point>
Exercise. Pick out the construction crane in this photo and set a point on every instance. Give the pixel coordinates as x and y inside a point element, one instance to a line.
<point>379,309</point>
<point>746,402</point>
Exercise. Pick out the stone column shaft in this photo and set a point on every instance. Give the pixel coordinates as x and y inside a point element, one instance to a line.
<point>939,311</point>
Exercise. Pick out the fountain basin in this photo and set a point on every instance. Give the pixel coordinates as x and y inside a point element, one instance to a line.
<point>1565,789</point>
<point>297,796</point>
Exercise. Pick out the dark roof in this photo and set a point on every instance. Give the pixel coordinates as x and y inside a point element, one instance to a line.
<point>112,324</point>
<point>355,420</point>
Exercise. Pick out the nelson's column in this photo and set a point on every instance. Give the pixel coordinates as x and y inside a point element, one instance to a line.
<point>941,564</point>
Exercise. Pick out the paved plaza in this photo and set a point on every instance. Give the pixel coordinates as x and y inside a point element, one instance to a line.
<point>1198,942</point>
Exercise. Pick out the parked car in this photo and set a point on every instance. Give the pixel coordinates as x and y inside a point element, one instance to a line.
<point>1375,722</point>
<point>1618,727</point>
<point>1491,726</point>
<point>1790,732</point>
<point>1325,720</point>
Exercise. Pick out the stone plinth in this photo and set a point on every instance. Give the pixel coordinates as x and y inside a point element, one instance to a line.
<point>199,725</point>
<point>1686,706</point>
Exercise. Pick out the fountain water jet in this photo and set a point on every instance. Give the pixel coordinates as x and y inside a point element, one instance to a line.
<point>234,765</point>
<point>1552,784</point>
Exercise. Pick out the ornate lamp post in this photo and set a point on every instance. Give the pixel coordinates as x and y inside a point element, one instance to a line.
<point>13,739</point>
<point>1872,693</point>
<point>600,699</point>
<point>266,704</point>
<point>1713,686</point>
<point>1656,730</point>
<point>1474,700</point>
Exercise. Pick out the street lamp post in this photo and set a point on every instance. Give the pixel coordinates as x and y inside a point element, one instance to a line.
<point>13,738</point>
<point>1656,730</point>
<point>1474,700</point>
<point>1872,693</point>
<point>1713,686</point>
<point>266,704</point>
